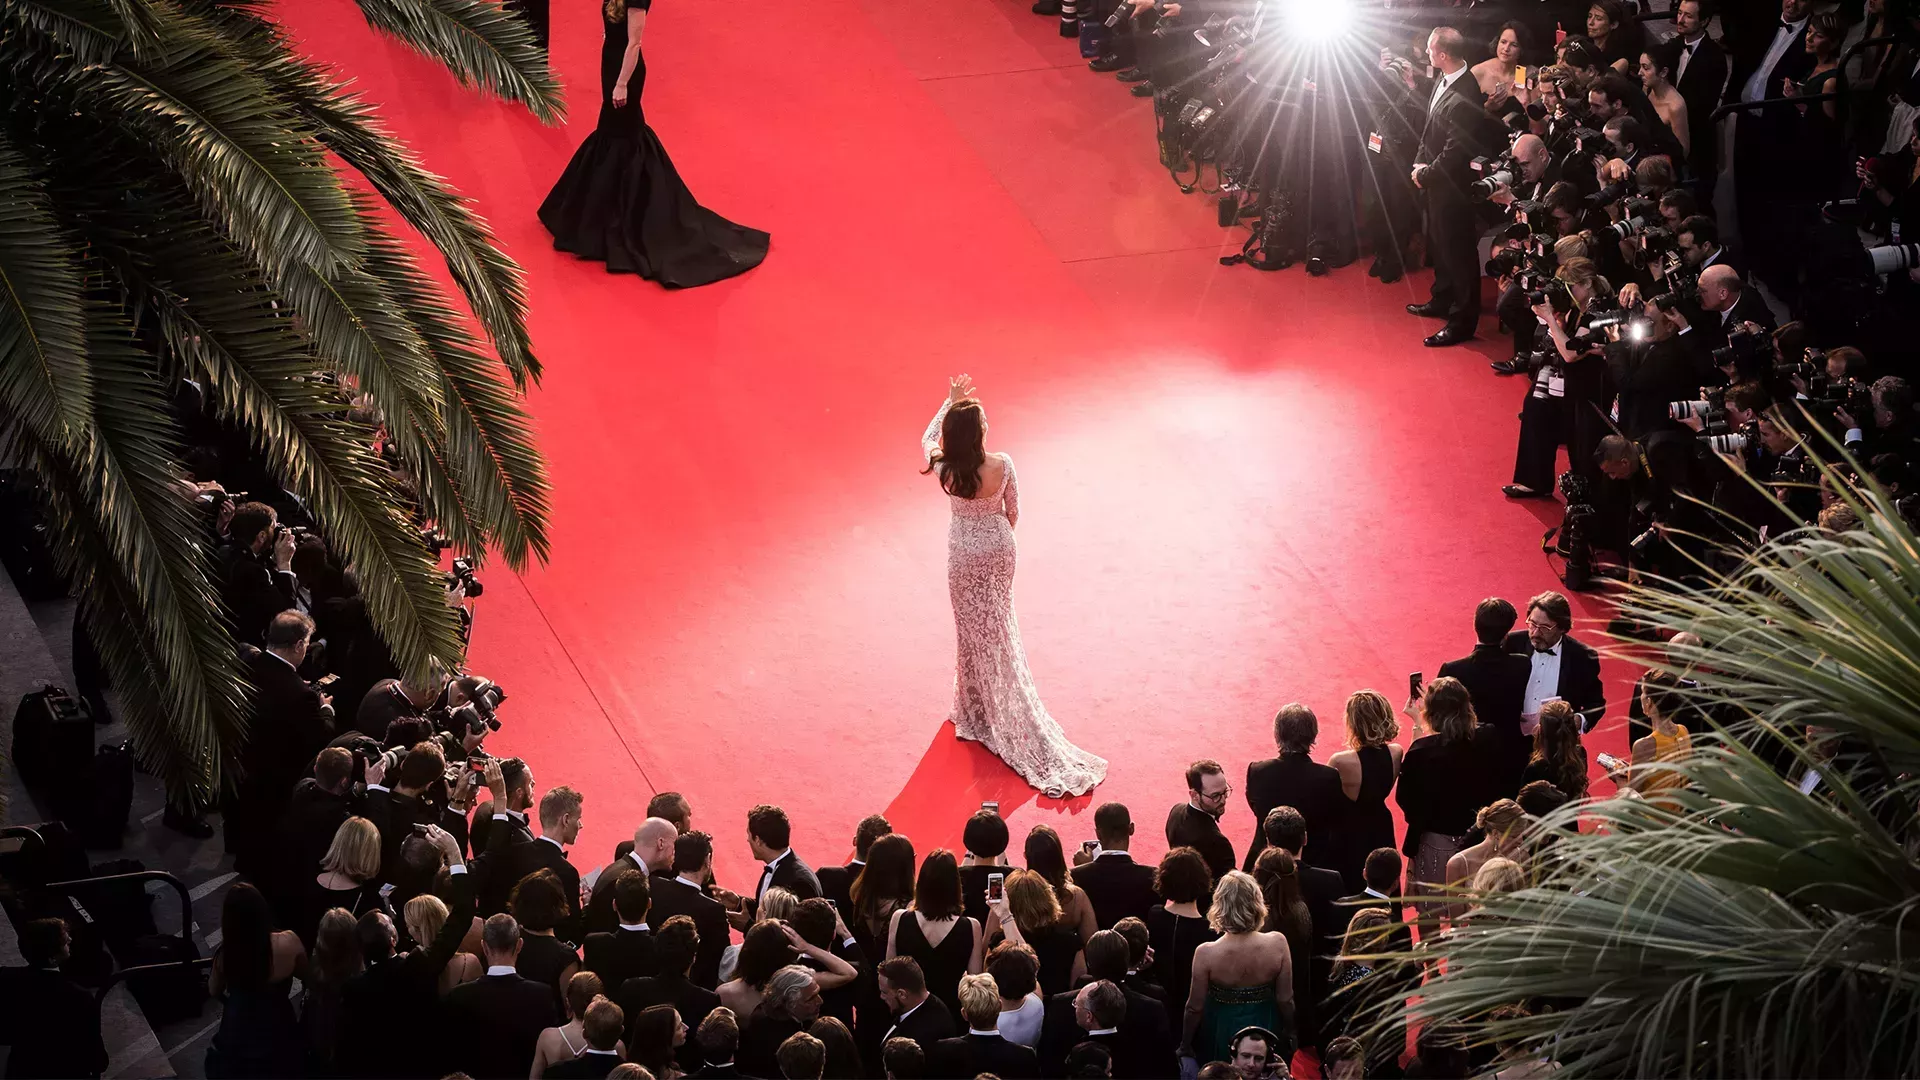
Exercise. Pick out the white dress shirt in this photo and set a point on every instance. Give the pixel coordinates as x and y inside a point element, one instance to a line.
<point>1441,84</point>
<point>1760,83</point>
<point>766,876</point>
<point>1686,54</point>
<point>1544,684</point>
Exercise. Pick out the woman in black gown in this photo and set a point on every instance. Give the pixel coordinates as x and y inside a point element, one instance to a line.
<point>620,200</point>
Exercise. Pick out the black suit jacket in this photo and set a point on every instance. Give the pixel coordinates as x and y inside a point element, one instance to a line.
<point>1199,830</point>
<point>1444,784</point>
<point>674,897</point>
<point>790,874</point>
<point>1453,129</point>
<point>1704,83</point>
<point>1117,887</point>
<point>1143,1049</point>
<point>592,1065</point>
<point>600,917</point>
<point>927,1024</point>
<point>693,1003</point>
<point>254,593</point>
<point>1298,781</point>
<point>494,1023</point>
<point>512,854</point>
<point>1650,375</point>
<point>1580,682</point>
<point>1496,680</point>
<point>971,1055</point>
<point>836,884</point>
<point>52,1024</point>
<point>618,956</point>
<point>369,1042</point>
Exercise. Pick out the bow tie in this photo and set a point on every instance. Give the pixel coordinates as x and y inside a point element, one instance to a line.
<point>1548,652</point>
<point>1788,27</point>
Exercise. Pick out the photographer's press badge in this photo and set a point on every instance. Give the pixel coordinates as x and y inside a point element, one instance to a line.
<point>1375,142</point>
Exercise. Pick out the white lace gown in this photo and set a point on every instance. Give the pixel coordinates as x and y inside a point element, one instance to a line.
<point>994,699</point>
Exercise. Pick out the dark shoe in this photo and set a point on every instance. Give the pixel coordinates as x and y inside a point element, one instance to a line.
<point>1107,63</point>
<point>1520,491</point>
<point>1144,89</point>
<point>1390,275</point>
<point>1427,310</point>
<point>1448,335</point>
<point>1047,7</point>
<point>187,824</point>
<point>1069,27</point>
<point>1132,74</point>
<point>1515,366</point>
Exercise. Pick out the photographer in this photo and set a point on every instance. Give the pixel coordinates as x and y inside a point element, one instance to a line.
<point>1534,174</point>
<point>414,795</point>
<point>1653,365</point>
<point>1726,305</point>
<point>1766,451</point>
<point>391,699</point>
<point>257,569</point>
<point>1891,429</point>
<point>290,722</point>
<point>1389,213</point>
<point>1570,387</point>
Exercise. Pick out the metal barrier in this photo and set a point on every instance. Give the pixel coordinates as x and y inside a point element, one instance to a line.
<point>178,886</point>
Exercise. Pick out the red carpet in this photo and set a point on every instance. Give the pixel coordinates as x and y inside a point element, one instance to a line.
<point>1239,489</point>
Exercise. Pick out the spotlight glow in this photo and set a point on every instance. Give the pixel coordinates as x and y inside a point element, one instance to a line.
<point>1318,21</point>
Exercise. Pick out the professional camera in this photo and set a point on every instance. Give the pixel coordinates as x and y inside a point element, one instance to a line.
<point>477,716</point>
<point>1795,471</point>
<point>435,540</point>
<point>1745,442</point>
<point>1711,410</point>
<point>1495,171</point>
<point>367,751</point>
<point>1602,314</point>
<point>1640,216</point>
<point>1744,348</point>
<point>1882,261</point>
<point>461,579</point>
<point>1553,292</point>
<point>1576,531</point>
<point>1850,395</point>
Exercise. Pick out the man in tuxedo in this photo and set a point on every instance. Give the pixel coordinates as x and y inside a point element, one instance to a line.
<point>495,1020</point>
<point>683,891</point>
<point>985,837</point>
<point>1496,680</point>
<point>1559,666</point>
<point>1728,304</point>
<point>1141,978</point>
<point>652,854</point>
<point>290,723</point>
<point>672,806</point>
<point>1196,822</point>
<point>603,1025</point>
<point>1700,74</point>
<point>505,862</point>
<point>1765,144</point>
<point>1146,1025</point>
<point>1099,1014</point>
<point>50,1021</point>
<point>1295,779</point>
<point>257,571</point>
<point>315,810</point>
<point>1117,886</point>
<point>627,951</point>
<point>982,1049</point>
<point>718,1037</point>
<point>1454,133</point>
<point>836,882</point>
<point>675,946</point>
<point>769,837</point>
<point>519,799</point>
<point>1382,875</point>
<point>917,1015</point>
<point>401,801</point>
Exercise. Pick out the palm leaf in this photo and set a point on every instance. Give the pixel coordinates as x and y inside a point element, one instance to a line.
<point>45,377</point>
<point>482,44</point>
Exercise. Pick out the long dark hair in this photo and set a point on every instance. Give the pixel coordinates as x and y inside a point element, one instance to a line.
<point>653,1038</point>
<point>936,893</point>
<point>963,448</point>
<point>1279,878</point>
<point>246,933</point>
<point>886,879</point>
<point>1556,743</point>
<point>1047,858</point>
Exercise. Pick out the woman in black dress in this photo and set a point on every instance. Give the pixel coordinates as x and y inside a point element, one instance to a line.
<point>1368,768</point>
<point>1029,914</point>
<point>539,902</point>
<point>937,932</point>
<point>1176,928</point>
<point>620,200</point>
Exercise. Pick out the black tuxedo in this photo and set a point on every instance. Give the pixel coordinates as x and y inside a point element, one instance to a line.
<point>1188,826</point>
<point>255,591</point>
<point>836,884</point>
<point>600,916</point>
<point>1580,684</point>
<point>1651,374</point>
<point>1496,680</point>
<point>1455,130</point>
<point>494,1023</point>
<point>1117,887</point>
<point>926,1024</point>
<point>1703,86</point>
<point>618,956</point>
<point>592,1065</point>
<point>1766,147</point>
<point>285,729</point>
<point>1298,781</point>
<point>519,830</point>
<point>760,1042</point>
<point>512,854</point>
<point>729,1071</point>
<point>693,1003</point>
<point>52,1024</point>
<point>395,814</point>
<point>313,815</point>
<point>370,1043</point>
<point>789,873</point>
<point>674,897</point>
<point>1143,1049</point>
<point>971,1055</point>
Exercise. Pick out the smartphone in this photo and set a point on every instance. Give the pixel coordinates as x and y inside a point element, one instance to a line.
<point>1520,78</point>
<point>1089,846</point>
<point>996,887</point>
<point>994,807</point>
<point>325,681</point>
<point>1610,763</point>
<point>419,828</point>
<point>1413,685</point>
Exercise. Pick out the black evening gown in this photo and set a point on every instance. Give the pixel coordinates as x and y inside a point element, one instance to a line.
<point>621,202</point>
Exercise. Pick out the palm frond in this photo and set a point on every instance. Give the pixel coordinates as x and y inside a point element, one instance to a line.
<point>483,45</point>
<point>92,30</point>
<point>45,379</point>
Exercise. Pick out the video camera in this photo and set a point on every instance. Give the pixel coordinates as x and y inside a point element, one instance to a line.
<point>1576,531</point>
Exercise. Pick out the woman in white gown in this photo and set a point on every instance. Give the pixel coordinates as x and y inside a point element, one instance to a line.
<point>994,700</point>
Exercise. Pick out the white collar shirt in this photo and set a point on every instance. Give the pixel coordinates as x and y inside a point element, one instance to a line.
<point>1760,84</point>
<point>1544,682</point>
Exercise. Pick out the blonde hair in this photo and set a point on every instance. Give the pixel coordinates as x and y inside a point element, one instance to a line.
<point>1238,907</point>
<point>355,850</point>
<point>1570,247</point>
<point>1499,875</point>
<point>1032,901</point>
<point>1370,720</point>
<point>425,916</point>
<point>614,10</point>
<point>1582,271</point>
<point>979,1000</point>
<point>1364,932</point>
<point>1499,816</point>
<point>778,903</point>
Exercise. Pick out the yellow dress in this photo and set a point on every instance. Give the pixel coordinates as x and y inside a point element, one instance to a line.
<point>1667,748</point>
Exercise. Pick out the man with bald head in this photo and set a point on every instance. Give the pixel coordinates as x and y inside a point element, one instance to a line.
<point>1537,173</point>
<point>652,854</point>
<point>1728,303</point>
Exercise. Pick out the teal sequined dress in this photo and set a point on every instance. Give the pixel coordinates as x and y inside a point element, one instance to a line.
<point>1228,1009</point>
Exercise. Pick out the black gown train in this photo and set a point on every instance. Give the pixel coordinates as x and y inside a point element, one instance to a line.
<point>621,201</point>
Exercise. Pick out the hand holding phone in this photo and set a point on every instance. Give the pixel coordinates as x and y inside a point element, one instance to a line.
<point>990,807</point>
<point>996,888</point>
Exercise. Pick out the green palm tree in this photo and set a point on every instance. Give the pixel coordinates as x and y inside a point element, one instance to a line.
<point>175,202</point>
<point>1737,927</point>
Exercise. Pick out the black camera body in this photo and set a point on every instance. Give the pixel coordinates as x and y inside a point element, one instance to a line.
<point>1493,171</point>
<point>460,578</point>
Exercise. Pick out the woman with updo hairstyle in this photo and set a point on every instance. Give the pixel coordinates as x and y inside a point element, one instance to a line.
<point>569,1040</point>
<point>1559,757</point>
<point>1504,825</point>
<point>1446,778</point>
<point>1029,914</point>
<point>995,702</point>
<point>1176,928</point>
<point>1368,768</point>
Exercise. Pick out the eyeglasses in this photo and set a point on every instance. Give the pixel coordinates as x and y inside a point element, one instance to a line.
<point>1532,625</point>
<point>1217,796</point>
